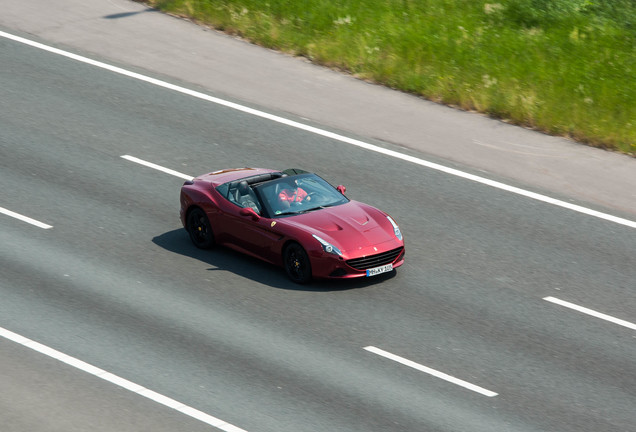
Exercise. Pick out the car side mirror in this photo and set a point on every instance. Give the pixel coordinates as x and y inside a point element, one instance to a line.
<point>249,211</point>
<point>341,189</point>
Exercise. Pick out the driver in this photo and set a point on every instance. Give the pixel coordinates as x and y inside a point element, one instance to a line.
<point>292,194</point>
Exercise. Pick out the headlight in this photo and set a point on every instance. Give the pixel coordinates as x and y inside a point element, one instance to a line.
<point>396,228</point>
<point>328,247</point>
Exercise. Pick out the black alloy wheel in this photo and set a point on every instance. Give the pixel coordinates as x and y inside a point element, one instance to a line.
<point>198,226</point>
<point>297,264</point>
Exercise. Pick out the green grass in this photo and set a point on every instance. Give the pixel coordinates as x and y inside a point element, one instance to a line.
<point>566,67</point>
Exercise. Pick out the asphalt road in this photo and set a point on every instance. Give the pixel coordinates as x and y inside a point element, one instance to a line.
<point>116,283</point>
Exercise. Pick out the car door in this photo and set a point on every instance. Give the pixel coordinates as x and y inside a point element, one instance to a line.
<point>256,236</point>
<point>250,233</point>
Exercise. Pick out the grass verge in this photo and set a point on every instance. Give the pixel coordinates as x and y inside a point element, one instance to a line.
<point>565,67</point>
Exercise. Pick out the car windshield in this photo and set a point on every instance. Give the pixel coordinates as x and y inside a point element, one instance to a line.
<point>298,194</point>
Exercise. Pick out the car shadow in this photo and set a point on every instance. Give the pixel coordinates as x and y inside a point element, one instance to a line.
<point>225,259</point>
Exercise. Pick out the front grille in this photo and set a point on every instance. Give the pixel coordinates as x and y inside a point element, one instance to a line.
<point>375,260</point>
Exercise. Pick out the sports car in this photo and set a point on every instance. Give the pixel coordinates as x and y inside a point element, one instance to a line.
<point>291,218</point>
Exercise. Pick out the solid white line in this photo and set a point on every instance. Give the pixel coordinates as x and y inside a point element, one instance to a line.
<point>430,371</point>
<point>157,167</point>
<point>121,382</point>
<point>24,218</point>
<point>591,312</point>
<point>321,132</point>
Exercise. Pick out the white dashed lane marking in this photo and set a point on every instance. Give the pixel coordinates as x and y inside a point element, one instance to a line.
<point>25,218</point>
<point>430,371</point>
<point>591,312</point>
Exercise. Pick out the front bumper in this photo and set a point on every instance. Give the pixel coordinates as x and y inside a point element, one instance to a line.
<point>333,267</point>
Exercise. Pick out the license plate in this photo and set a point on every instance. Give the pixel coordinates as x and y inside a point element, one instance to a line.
<point>377,270</point>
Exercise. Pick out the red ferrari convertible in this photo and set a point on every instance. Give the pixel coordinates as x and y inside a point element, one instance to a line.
<point>293,219</point>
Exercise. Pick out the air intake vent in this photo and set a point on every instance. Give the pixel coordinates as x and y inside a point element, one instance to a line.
<point>375,260</point>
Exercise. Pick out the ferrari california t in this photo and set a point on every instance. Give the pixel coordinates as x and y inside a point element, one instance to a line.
<point>293,219</point>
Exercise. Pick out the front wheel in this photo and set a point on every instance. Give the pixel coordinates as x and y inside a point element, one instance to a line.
<point>198,226</point>
<point>297,264</point>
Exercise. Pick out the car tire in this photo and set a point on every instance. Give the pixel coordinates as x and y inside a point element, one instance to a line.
<point>297,264</point>
<point>199,228</point>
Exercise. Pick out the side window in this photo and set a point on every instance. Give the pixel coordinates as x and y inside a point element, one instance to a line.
<point>232,194</point>
<point>223,190</point>
<point>229,191</point>
<point>240,196</point>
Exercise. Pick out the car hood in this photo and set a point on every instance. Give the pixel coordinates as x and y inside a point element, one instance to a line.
<point>351,227</point>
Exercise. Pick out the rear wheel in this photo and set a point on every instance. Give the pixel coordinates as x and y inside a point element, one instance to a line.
<point>198,226</point>
<point>297,263</point>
